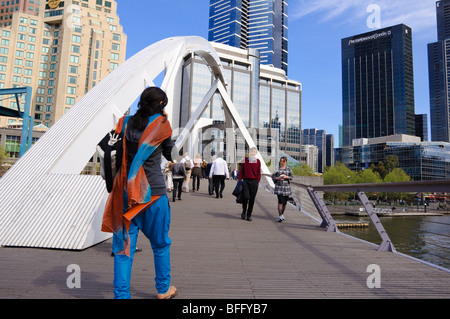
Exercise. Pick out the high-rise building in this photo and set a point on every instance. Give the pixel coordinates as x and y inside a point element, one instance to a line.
<point>330,150</point>
<point>422,127</point>
<point>439,75</point>
<point>257,24</point>
<point>313,136</point>
<point>7,8</point>
<point>378,84</point>
<point>268,102</point>
<point>312,156</point>
<point>61,53</point>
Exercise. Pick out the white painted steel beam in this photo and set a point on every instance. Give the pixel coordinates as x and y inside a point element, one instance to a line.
<point>44,201</point>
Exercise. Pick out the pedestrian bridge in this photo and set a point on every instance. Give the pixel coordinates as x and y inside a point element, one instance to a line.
<point>217,255</point>
<point>46,203</point>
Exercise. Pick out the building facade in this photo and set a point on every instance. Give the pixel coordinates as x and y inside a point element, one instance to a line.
<point>7,8</point>
<point>330,150</point>
<point>422,127</point>
<point>267,101</point>
<point>420,160</point>
<point>378,84</point>
<point>61,53</point>
<point>312,136</point>
<point>256,24</point>
<point>439,75</point>
<point>312,156</point>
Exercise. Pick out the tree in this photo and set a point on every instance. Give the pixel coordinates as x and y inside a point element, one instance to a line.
<point>380,169</point>
<point>337,175</point>
<point>391,162</point>
<point>303,170</point>
<point>397,175</point>
<point>368,176</point>
<point>3,154</point>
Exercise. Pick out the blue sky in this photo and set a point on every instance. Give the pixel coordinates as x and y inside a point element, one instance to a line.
<point>316,28</point>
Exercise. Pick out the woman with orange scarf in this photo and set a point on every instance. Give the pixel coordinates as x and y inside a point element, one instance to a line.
<point>138,200</point>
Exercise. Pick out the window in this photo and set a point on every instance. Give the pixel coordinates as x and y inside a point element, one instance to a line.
<point>76,38</point>
<point>75,48</point>
<point>71,90</point>
<point>115,56</point>
<point>74,59</point>
<point>70,100</point>
<point>72,79</point>
<point>73,69</point>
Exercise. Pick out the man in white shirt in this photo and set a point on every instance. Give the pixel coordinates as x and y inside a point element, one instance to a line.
<point>218,173</point>
<point>189,165</point>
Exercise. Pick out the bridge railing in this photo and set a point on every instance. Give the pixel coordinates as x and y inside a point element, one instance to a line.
<point>328,222</point>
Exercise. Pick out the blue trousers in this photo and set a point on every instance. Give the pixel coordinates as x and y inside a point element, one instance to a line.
<point>154,223</point>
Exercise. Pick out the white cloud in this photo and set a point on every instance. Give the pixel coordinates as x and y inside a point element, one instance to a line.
<point>420,15</point>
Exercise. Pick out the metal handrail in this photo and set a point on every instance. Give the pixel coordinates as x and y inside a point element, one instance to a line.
<point>442,186</point>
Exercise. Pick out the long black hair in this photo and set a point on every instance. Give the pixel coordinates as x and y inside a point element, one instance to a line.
<point>149,104</point>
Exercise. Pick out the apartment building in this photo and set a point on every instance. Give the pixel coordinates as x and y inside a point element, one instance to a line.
<point>61,53</point>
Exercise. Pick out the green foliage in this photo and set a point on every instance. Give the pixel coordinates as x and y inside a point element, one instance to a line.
<point>337,175</point>
<point>384,168</point>
<point>368,176</point>
<point>391,162</point>
<point>397,175</point>
<point>303,170</point>
<point>3,154</point>
<point>340,174</point>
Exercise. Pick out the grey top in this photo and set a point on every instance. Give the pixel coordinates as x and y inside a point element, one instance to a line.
<point>283,186</point>
<point>152,166</point>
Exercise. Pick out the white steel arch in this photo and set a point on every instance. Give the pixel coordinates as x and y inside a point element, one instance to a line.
<point>44,201</point>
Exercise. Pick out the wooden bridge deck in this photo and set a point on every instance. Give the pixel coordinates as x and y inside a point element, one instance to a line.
<point>217,255</point>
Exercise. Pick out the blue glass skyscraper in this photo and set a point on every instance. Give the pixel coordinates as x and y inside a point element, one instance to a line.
<point>378,84</point>
<point>257,24</point>
<point>439,75</point>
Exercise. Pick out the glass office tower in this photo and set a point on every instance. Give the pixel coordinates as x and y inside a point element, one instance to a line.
<point>378,84</point>
<point>420,160</point>
<point>439,75</point>
<point>268,102</point>
<point>257,24</point>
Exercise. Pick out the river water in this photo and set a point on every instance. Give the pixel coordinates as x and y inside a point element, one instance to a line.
<point>423,237</point>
